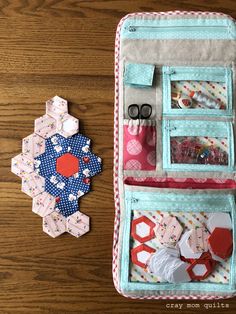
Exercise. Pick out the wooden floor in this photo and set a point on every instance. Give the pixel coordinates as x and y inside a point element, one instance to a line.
<point>65,48</point>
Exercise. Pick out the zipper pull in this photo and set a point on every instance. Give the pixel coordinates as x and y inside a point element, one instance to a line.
<point>169,128</point>
<point>132,29</point>
<point>169,72</point>
<point>134,200</point>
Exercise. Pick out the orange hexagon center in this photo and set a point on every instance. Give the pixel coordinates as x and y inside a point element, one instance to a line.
<point>67,165</point>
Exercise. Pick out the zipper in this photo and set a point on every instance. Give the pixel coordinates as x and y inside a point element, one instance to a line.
<point>139,200</point>
<point>189,73</point>
<point>134,28</point>
<point>181,29</point>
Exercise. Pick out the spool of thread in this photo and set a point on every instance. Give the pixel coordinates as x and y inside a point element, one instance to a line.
<point>205,100</point>
<point>184,101</point>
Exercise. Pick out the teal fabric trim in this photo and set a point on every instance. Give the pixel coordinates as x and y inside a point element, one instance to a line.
<point>212,74</point>
<point>171,128</point>
<point>138,74</point>
<point>125,257</point>
<point>197,128</point>
<point>142,200</point>
<point>197,28</point>
<point>179,202</point>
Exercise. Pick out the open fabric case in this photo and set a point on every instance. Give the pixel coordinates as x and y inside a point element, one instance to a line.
<point>174,156</point>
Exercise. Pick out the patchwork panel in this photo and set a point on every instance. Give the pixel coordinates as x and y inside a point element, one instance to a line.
<point>56,167</point>
<point>188,220</point>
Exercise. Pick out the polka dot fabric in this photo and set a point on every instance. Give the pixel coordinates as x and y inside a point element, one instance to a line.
<point>67,189</point>
<point>139,75</point>
<point>140,145</point>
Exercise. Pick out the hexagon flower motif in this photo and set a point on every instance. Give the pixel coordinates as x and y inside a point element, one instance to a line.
<point>142,229</point>
<point>56,168</point>
<point>67,166</point>
<point>141,254</point>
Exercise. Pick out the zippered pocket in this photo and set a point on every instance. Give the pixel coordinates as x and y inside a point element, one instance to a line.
<point>197,91</point>
<point>193,145</point>
<point>185,28</point>
<point>160,218</point>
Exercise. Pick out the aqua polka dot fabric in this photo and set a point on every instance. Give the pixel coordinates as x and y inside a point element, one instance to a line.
<point>139,75</point>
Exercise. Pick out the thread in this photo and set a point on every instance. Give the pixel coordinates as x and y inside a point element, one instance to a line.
<point>184,101</point>
<point>205,100</point>
<point>167,264</point>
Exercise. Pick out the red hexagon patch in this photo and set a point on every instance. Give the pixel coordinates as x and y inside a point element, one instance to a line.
<point>142,229</point>
<point>67,165</point>
<point>141,254</point>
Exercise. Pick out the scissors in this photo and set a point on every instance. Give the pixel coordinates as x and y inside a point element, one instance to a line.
<point>139,112</point>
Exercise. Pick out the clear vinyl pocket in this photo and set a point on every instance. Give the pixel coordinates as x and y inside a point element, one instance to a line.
<point>161,222</point>
<point>197,91</point>
<point>193,145</point>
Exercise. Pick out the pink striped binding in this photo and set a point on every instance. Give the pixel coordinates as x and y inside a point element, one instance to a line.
<point>116,158</point>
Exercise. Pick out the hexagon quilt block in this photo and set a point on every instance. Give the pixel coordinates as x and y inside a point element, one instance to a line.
<point>141,254</point>
<point>33,145</point>
<point>54,224</point>
<point>67,125</point>
<point>168,230</point>
<point>33,184</point>
<point>185,250</point>
<point>56,107</point>
<point>56,167</point>
<point>200,269</point>
<point>142,229</point>
<point>219,220</point>
<point>43,204</point>
<point>77,224</point>
<point>67,165</point>
<point>22,164</point>
<point>45,126</point>
<point>198,240</point>
<point>221,243</point>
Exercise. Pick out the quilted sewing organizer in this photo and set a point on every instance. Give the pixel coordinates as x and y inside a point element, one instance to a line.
<point>174,156</point>
<point>56,167</point>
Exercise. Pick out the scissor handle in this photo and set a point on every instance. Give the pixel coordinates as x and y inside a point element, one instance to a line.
<point>133,111</point>
<point>145,111</point>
